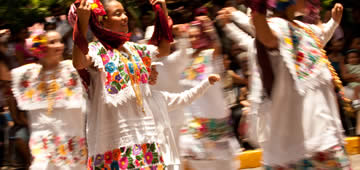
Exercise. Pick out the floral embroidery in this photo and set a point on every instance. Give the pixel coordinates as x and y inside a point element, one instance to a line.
<point>307,55</point>
<point>198,68</point>
<point>119,68</point>
<point>138,156</point>
<point>214,129</point>
<point>59,150</point>
<point>32,91</point>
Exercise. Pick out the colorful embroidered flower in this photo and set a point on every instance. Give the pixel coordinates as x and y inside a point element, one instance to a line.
<point>140,53</point>
<point>144,78</point>
<point>115,165</point>
<point>57,140</point>
<point>99,159</point>
<point>110,53</point>
<point>300,56</point>
<point>62,150</point>
<point>72,82</point>
<point>136,149</point>
<point>288,41</point>
<point>131,68</point>
<point>108,78</point>
<point>124,162</point>
<point>116,76</point>
<point>90,161</point>
<point>110,67</point>
<point>144,148</point>
<point>161,158</point>
<point>116,154</point>
<point>200,68</point>
<point>84,151</point>
<point>29,93</point>
<point>149,157</point>
<point>105,58</point>
<point>98,8</point>
<point>68,92</point>
<point>70,145</point>
<point>160,167</point>
<point>199,60</point>
<point>111,89</point>
<point>137,163</point>
<point>108,157</point>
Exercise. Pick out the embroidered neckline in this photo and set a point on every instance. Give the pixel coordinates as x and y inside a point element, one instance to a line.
<point>198,69</point>
<point>126,74</point>
<point>32,93</point>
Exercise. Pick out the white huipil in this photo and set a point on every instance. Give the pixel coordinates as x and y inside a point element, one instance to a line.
<point>119,133</point>
<point>213,148</point>
<point>301,118</point>
<point>169,80</point>
<point>303,113</point>
<point>57,140</point>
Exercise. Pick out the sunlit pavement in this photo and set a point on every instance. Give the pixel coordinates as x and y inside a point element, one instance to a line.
<point>355,162</point>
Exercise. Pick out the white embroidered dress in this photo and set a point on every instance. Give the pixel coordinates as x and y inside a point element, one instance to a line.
<point>120,135</point>
<point>302,114</point>
<point>57,139</point>
<point>209,140</point>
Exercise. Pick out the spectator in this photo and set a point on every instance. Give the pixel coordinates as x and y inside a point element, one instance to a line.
<point>23,56</point>
<point>335,54</point>
<point>352,71</point>
<point>355,43</point>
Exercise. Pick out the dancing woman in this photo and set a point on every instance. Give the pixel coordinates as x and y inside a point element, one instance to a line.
<point>304,128</point>
<point>128,126</point>
<point>52,93</point>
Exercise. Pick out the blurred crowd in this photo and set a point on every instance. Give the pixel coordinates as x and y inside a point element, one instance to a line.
<point>343,51</point>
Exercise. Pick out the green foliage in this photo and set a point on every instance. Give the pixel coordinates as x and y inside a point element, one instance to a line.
<point>326,4</point>
<point>17,14</point>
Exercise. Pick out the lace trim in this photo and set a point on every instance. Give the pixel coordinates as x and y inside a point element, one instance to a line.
<point>126,94</point>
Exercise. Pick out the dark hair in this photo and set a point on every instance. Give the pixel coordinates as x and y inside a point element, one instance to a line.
<point>349,52</point>
<point>352,51</point>
<point>105,2</point>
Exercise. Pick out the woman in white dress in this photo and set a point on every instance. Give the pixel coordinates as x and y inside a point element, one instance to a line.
<point>303,128</point>
<point>52,93</point>
<point>128,124</point>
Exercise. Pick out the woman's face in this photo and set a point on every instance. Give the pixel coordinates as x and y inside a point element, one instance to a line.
<point>355,43</point>
<point>55,48</point>
<point>194,35</point>
<point>117,20</point>
<point>353,58</point>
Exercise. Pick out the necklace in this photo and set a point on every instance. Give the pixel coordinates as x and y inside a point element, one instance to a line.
<point>134,78</point>
<point>51,87</point>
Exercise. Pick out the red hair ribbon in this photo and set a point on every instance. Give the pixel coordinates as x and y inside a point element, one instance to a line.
<point>163,27</point>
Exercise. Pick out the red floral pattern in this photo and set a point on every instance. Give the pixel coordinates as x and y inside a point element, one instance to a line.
<point>118,72</point>
<point>58,150</point>
<point>138,156</point>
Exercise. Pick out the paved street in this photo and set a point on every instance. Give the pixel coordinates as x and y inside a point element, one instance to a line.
<point>355,161</point>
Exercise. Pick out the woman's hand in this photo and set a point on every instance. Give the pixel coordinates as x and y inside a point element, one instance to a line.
<point>83,12</point>
<point>213,78</point>
<point>337,12</point>
<point>207,24</point>
<point>153,2</point>
<point>163,5</point>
